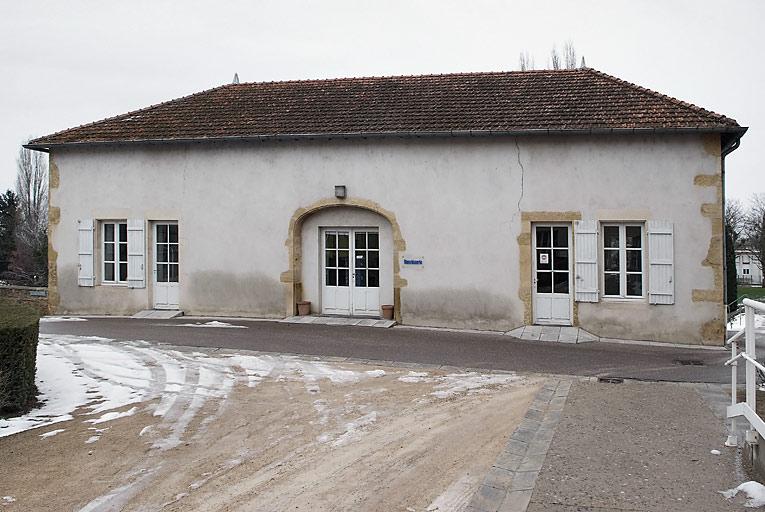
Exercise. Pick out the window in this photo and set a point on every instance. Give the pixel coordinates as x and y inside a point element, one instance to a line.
<point>623,260</point>
<point>746,271</point>
<point>115,253</point>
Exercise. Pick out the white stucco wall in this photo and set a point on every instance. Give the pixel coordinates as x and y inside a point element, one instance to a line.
<point>458,203</point>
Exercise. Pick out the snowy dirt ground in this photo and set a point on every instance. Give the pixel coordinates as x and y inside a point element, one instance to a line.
<point>138,426</point>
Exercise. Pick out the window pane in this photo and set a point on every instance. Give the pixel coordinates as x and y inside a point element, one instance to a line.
<point>374,259</point>
<point>330,258</point>
<point>330,240</point>
<point>361,279</point>
<point>634,261</point>
<point>560,259</point>
<point>162,273</point>
<point>360,239</point>
<point>174,253</point>
<point>342,259</point>
<point>123,271</point>
<point>610,236</point>
<point>611,284</point>
<point>373,241</point>
<point>109,232</point>
<point>109,272</point>
<point>331,277</point>
<point>342,277</point>
<point>123,252</point>
<point>109,252</point>
<point>560,282</point>
<point>543,259</point>
<point>634,238</point>
<point>635,284</point>
<point>162,233</point>
<point>361,259</point>
<point>162,253</point>
<point>560,236</point>
<point>123,232</point>
<point>611,260</point>
<point>173,228</point>
<point>342,240</point>
<point>374,278</point>
<point>173,273</point>
<point>543,237</point>
<point>544,282</point>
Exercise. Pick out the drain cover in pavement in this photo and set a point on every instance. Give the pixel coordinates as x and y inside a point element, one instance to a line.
<point>689,362</point>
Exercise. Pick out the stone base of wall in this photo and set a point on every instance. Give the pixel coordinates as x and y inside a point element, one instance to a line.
<point>31,296</point>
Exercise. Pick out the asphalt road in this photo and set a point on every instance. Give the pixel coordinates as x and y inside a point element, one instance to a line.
<point>439,347</point>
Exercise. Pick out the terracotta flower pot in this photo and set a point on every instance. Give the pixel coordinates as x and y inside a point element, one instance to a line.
<point>304,307</point>
<point>387,312</point>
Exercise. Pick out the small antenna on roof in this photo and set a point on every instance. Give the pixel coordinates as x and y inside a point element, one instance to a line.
<point>236,78</point>
<point>584,64</point>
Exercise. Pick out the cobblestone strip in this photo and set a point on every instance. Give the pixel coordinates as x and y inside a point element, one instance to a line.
<point>508,485</point>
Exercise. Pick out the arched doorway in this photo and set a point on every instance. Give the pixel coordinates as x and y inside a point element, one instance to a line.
<point>339,250</point>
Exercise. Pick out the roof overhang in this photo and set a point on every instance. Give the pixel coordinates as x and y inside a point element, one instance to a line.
<point>730,136</point>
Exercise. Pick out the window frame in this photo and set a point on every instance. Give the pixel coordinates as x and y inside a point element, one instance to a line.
<point>116,261</point>
<point>623,273</point>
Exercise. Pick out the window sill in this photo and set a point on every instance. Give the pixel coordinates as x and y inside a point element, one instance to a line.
<point>114,285</point>
<point>623,299</point>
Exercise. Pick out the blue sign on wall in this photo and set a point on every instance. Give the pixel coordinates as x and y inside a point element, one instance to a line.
<point>413,262</point>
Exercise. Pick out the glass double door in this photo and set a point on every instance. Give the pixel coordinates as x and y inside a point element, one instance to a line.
<point>350,272</point>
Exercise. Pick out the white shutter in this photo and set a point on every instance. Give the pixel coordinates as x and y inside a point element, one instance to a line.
<point>136,253</point>
<point>85,275</point>
<point>586,261</point>
<point>661,272</point>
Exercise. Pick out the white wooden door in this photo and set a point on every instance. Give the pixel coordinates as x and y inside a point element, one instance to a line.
<point>351,272</point>
<point>166,283</point>
<point>551,251</point>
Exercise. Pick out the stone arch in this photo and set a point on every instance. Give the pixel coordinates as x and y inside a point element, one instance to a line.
<point>292,278</point>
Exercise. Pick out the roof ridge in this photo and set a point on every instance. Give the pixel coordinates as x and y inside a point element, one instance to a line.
<point>128,114</point>
<point>423,75</point>
<point>695,108</point>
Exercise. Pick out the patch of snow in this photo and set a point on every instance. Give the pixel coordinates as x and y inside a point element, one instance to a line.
<point>353,428</point>
<point>471,382</point>
<point>113,415</point>
<point>52,433</point>
<point>715,452</point>
<point>375,373</point>
<point>92,439</point>
<point>754,491</point>
<point>9,499</point>
<point>145,430</point>
<point>457,496</point>
<point>46,319</point>
<point>214,323</point>
<point>738,322</point>
<point>414,377</point>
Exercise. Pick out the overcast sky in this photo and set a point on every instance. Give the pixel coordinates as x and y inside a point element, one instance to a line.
<point>67,63</point>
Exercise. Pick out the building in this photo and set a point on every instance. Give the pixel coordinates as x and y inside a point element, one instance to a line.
<point>748,270</point>
<point>478,200</point>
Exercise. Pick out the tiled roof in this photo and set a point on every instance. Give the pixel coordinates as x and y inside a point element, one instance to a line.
<point>578,100</point>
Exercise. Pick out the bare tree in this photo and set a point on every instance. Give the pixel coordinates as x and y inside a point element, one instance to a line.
<point>754,230</point>
<point>569,55</point>
<point>30,260</point>
<point>526,61</point>
<point>555,58</point>
<point>735,217</point>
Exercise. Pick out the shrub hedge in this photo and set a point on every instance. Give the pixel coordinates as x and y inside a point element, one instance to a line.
<point>19,330</point>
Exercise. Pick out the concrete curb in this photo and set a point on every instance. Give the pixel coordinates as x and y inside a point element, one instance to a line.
<point>508,485</point>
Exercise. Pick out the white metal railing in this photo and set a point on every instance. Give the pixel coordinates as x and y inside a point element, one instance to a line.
<point>748,408</point>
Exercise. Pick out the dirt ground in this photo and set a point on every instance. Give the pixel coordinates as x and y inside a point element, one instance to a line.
<point>382,442</point>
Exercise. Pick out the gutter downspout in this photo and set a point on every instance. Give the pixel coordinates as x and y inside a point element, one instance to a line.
<point>726,148</point>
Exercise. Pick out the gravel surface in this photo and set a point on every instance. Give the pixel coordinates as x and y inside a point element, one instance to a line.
<point>638,447</point>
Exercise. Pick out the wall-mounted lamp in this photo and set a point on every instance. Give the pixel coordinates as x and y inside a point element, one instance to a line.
<point>340,191</point>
